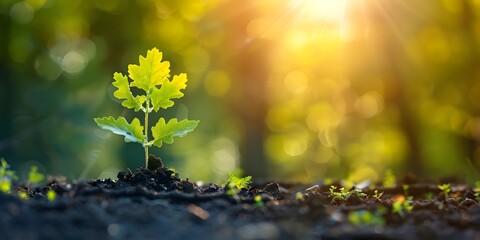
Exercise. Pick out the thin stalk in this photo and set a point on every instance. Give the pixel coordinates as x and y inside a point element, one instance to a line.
<point>146,131</point>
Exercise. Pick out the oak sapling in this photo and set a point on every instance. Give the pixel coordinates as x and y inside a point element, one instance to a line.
<point>151,76</point>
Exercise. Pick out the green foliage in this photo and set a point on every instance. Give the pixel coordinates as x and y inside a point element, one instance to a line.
<point>164,132</point>
<point>367,218</point>
<point>6,176</point>
<point>239,182</point>
<point>340,195</point>
<point>22,194</point>
<point>445,188</point>
<point>133,132</point>
<point>299,196</point>
<point>34,176</point>
<point>402,206</point>
<point>152,77</point>
<point>51,195</point>
<point>359,193</point>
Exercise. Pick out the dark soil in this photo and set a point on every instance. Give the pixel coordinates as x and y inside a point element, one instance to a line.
<point>158,204</point>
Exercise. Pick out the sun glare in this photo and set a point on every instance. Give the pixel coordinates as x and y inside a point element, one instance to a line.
<point>327,11</point>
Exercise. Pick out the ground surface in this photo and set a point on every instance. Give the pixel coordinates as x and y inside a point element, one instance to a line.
<point>158,204</point>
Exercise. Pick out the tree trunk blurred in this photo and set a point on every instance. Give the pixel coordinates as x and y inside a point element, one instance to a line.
<point>250,71</point>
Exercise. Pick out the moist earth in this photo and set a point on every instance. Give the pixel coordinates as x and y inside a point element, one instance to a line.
<point>156,203</point>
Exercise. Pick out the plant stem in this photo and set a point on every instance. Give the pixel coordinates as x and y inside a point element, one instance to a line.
<point>146,130</point>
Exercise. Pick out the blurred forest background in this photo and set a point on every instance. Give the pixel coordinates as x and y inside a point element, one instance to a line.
<point>293,89</point>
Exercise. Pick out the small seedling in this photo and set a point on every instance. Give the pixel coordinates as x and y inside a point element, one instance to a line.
<point>299,196</point>
<point>377,195</point>
<point>6,177</point>
<point>445,188</point>
<point>235,184</point>
<point>238,182</point>
<point>341,195</point>
<point>148,76</point>
<point>51,195</point>
<point>22,194</point>
<point>258,201</point>
<point>402,206</point>
<point>34,176</point>
<point>359,193</point>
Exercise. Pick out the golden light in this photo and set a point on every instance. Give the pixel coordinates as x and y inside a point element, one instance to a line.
<point>325,11</point>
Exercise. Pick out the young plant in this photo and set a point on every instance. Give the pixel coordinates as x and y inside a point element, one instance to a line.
<point>34,176</point>
<point>151,77</point>
<point>340,195</point>
<point>445,188</point>
<point>402,206</point>
<point>238,182</point>
<point>6,177</point>
<point>377,195</point>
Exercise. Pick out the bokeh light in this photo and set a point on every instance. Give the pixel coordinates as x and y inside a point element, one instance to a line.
<point>297,89</point>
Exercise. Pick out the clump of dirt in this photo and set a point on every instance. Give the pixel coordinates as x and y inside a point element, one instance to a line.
<point>156,203</point>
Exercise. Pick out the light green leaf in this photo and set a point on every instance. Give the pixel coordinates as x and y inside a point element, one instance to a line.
<point>164,132</point>
<point>133,132</point>
<point>123,92</point>
<point>151,72</point>
<point>161,98</point>
<point>34,176</point>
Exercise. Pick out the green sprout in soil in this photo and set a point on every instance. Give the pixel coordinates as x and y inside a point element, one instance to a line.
<point>151,77</point>
<point>34,176</point>
<point>402,206</point>
<point>377,195</point>
<point>359,193</point>
<point>340,195</point>
<point>445,188</point>
<point>22,194</point>
<point>236,183</point>
<point>6,177</point>
<point>299,196</point>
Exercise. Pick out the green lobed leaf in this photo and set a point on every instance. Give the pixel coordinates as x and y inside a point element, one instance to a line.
<point>133,132</point>
<point>123,93</point>
<point>161,98</point>
<point>151,72</point>
<point>165,132</point>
